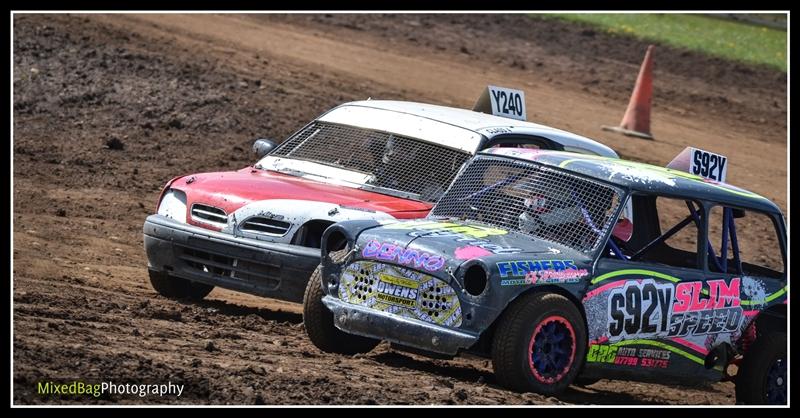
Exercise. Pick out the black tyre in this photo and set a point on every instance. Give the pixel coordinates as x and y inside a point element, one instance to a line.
<point>761,379</point>
<point>177,288</point>
<point>539,344</point>
<point>318,321</point>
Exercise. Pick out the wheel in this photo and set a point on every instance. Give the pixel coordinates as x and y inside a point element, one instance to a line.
<point>761,379</point>
<point>539,344</point>
<point>318,321</point>
<point>177,288</point>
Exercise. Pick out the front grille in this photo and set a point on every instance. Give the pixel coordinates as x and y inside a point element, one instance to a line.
<point>534,199</point>
<point>221,265</point>
<point>395,162</point>
<point>400,291</point>
<point>206,213</point>
<point>261,225</point>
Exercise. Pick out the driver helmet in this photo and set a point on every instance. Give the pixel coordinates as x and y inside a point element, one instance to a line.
<point>623,230</point>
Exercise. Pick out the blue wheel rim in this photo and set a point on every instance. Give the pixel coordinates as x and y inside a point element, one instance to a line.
<point>552,349</point>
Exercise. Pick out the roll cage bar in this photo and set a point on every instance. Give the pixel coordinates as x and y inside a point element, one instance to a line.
<point>720,262</point>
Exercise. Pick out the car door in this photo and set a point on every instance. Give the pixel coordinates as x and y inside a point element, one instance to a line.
<point>646,306</point>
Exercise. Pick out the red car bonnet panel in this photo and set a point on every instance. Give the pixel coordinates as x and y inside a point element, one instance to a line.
<point>233,189</point>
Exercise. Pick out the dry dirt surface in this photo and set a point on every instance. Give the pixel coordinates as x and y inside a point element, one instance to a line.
<point>107,108</point>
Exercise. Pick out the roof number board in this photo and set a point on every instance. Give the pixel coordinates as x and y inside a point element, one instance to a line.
<point>701,163</point>
<point>505,102</point>
<point>709,165</point>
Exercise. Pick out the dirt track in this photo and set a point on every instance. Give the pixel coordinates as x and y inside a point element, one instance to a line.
<point>188,93</point>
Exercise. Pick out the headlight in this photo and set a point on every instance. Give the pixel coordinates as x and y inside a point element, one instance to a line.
<point>173,205</point>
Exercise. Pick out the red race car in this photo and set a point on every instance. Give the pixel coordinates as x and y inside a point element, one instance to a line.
<point>257,230</point>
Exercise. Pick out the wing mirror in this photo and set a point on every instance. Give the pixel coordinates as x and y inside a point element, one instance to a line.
<point>263,147</point>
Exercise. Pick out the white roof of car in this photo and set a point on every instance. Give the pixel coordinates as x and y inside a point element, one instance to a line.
<point>417,119</point>
<point>464,118</point>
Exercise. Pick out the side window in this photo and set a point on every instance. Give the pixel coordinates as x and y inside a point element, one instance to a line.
<point>665,232</point>
<point>752,245</point>
<point>670,213</point>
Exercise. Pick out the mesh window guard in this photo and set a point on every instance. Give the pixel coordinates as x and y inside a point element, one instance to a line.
<point>395,162</point>
<point>533,199</point>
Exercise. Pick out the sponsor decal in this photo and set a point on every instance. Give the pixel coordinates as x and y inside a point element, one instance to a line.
<point>396,290</point>
<point>485,245</point>
<point>539,272</point>
<point>448,228</point>
<point>406,256</point>
<point>554,276</point>
<point>400,291</point>
<point>646,309</point>
<point>468,235</point>
<point>523,267</point>
<point>628,356</point>
<point>496,131</point>
<point>602,353</point>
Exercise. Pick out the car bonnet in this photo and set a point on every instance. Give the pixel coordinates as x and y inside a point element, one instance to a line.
<point>442,246</point>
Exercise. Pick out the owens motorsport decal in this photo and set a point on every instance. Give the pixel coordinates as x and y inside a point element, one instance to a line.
<point>400,291</point>
<point>645,309</point>
<point>540,272</point>
<point>396,290</point>
<point>405,256</point>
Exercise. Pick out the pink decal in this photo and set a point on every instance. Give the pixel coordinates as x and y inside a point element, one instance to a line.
<point>683,294</point>
<point>693,346</point>
<point>720,295</point>
<point>697,303</point>
<point>728,294</point>
<point>602,289</point>
<point>388,251</point>
<point>562,275</point>
<point>371,249</point>
<point>406,256</point>
<point>470,252</point>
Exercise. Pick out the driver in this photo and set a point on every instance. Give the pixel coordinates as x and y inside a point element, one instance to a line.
<point>623,230</point>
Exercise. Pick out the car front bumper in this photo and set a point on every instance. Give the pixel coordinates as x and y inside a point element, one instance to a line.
<point>273,270</point>
<point>360,320</point>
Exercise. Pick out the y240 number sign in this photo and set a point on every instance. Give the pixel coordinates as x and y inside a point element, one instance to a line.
<point>508,103</point>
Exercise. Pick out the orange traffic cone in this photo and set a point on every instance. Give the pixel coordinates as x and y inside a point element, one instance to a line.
<point>636,121</point>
